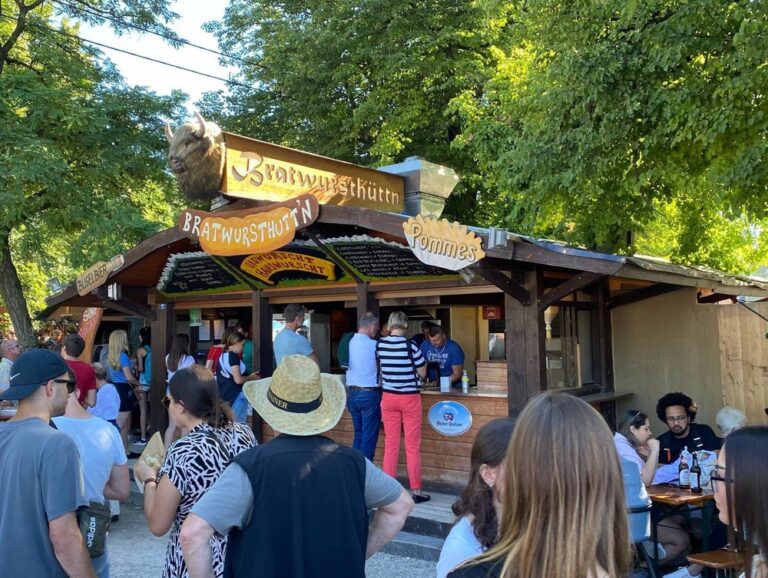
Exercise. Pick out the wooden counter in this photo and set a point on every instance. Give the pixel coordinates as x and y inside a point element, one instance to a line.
<point>444,459</point>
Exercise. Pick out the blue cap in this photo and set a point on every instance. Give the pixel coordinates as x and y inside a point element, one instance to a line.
<point>31,370</point>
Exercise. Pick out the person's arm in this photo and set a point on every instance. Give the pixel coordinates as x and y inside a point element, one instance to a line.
<point>129,376</point>
<point>90,398</point>
<point>650,465</point>
<point>387,523</point>
<point>456,372</point>
<point>313,356</point>
<point>227,504</point>
<point>119,484</point>
<point>141,354</point>
<point>68,546</point>
<point>161,499</point>
<point>195,538</point>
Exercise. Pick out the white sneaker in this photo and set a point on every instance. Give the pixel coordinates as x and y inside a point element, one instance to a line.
<point>679,573</point>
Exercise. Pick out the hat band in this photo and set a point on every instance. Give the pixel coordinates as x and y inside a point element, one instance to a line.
<point>293,406</point>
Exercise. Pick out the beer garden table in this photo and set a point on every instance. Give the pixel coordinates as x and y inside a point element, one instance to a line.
<point>669,500</point>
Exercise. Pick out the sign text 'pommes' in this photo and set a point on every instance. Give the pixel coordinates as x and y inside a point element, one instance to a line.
<point>249,231</point>
<point>442,243</point>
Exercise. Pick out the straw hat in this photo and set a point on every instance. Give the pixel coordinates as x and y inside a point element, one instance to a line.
<point>298,399</point>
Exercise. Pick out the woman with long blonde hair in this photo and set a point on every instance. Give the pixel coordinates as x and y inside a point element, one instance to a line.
<point>563,510</point>
<point>121,376</point>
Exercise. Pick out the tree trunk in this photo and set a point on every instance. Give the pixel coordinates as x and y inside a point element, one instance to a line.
<point>13,296</point>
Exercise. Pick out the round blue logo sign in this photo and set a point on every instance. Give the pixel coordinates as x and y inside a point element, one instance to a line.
<point>449,418</point>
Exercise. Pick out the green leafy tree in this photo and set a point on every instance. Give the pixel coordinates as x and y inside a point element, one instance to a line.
<point>603,119</point>
<point>367,81</point>
<point>82,155</point>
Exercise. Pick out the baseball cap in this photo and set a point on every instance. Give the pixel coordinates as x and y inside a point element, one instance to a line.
<point>31,370</point>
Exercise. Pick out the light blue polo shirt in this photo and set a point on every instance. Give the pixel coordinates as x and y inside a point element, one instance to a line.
<point>288,342</point>
<point>362,371</point>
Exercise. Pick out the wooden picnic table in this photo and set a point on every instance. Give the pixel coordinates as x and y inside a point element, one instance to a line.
<point>677,497</point>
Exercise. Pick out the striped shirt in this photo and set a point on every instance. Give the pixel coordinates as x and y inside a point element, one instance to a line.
<point>398,372</point>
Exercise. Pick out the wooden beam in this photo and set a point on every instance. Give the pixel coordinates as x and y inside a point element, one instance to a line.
<point>524,344</point>
<point>530,253</point>
<point>334,257</point>
<point>504,283</point>
<point>163,330</point>
<point>714,298</point>
<point>641,294</point>
<point>261,333</point>
<point>259,310</point>
<point>573,284</point>
<point>605,349</point>
<point>366,301</point>
<point>125,306</point>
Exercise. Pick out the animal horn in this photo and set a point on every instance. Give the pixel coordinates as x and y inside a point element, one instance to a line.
<point>201,132</point>
<point>168,132</point>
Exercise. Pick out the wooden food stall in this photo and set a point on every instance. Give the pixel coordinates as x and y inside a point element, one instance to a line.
<point>292,227</point>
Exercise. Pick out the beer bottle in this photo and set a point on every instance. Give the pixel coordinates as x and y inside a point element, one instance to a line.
<point>683,471</point>
<point>695,475</point>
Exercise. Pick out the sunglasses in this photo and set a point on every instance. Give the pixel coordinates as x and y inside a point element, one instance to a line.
<point>71,385</point>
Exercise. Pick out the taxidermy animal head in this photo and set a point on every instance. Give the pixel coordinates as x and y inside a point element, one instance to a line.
<point>196,157</point>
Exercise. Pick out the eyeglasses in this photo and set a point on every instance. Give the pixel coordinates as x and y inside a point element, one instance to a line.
<point>675,418</point>
<point>716,479</point>
<point>71,385</point>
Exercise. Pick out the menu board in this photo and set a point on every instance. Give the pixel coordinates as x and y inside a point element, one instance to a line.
<point>194,273</point>
<point>375,259</point>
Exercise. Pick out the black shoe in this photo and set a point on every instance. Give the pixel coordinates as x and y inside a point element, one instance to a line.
<point>420,498</point>
<point>132,456</point>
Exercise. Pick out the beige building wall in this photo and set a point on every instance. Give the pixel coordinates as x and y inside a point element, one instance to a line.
<point>668,343</point>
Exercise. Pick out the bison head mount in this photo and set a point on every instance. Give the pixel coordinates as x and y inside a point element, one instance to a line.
<point>196,157</point>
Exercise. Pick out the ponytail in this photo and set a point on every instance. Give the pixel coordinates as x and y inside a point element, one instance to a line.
<point>221,414</point>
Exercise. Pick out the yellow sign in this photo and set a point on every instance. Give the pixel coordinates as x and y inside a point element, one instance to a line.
<point>264,266</point>
<point>95,275</point>
<point>259,170</point>
<point>442,243</point>
<point>248,231</point>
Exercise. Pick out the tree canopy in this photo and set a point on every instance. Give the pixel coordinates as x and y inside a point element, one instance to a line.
<point>611,122</point>
<point>82,155</point>
<point>622,126</point>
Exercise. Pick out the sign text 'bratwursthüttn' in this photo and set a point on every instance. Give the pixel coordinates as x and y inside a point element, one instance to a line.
<point>249,231</point>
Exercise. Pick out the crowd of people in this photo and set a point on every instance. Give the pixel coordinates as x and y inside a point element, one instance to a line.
<point>547,493</point>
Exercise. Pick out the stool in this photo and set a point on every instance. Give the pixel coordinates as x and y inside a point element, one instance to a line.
<point>724,562</point>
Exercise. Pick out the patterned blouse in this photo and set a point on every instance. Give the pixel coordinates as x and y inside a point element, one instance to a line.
<point>192,465</point>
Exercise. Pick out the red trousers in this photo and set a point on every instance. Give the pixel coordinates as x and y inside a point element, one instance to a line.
<point>402,411</point>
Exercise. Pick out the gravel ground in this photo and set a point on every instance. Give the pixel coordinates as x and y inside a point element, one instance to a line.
<point>135,552</point>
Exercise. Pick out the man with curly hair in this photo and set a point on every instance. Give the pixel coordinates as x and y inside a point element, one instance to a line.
<point>678,412</point>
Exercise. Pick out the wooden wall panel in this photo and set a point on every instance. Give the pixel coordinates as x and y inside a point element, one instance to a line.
<point>444,459</point>
<point>744,359</point>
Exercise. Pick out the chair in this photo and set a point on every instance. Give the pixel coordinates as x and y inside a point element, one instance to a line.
<point>639,518</point>
<point>725,563</point>
<point>639,514</point>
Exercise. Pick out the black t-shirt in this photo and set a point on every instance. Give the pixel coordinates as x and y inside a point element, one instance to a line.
<point>227,386</point>
<point>700,437</point>
<point>484,570</point>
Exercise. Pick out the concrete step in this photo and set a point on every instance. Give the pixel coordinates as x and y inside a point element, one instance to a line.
<point>434,518</point>
<point>415,546</point>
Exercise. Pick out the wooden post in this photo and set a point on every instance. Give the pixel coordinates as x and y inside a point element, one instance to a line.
<point>163,330</point>
<point>365,301</point>
<point>524,344</point>
<point>605,347</point>
<point>261,334</point>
